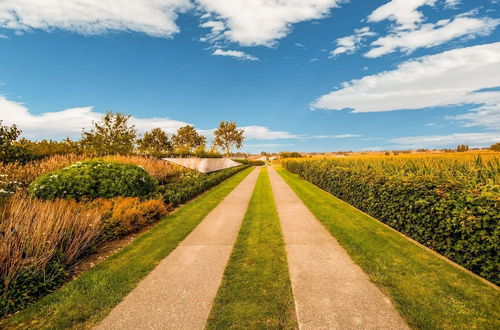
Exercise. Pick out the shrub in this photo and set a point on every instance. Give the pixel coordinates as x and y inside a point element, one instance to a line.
<point>93,179</point>
<point>188,188</point>
<point>451,209</point>
<point>250,162</point>
<point>157,168</point>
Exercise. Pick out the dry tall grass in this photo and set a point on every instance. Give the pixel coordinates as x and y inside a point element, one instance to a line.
<point>157,168</point>
<point>34,232</point>
<point>25,174</point>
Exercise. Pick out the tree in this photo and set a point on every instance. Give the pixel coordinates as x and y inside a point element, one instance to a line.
<point>187,138</point>
<point>111,135</point>
<point>155,142</point>
<point>228,135</point>
<point>495,147</point>
<point>462,148</point>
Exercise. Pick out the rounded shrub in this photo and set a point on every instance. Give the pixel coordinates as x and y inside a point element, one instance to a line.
<point>93,179</point>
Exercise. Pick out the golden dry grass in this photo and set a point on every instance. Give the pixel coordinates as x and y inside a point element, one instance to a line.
<point>33,232</point>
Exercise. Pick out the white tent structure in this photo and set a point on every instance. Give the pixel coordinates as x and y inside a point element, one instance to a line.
<point>204,165</point>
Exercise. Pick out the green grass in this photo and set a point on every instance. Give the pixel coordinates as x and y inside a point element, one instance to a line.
<point>256,292</point>
<point>90,297</point>
<point>428,291</point>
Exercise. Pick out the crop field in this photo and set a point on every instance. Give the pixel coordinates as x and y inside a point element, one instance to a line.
<point>448,202</point>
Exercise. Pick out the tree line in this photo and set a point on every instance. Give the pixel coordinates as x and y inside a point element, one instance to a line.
<point>113,134</point>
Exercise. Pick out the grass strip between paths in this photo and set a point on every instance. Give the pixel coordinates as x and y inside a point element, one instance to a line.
<point>89,298</point>
<point>428,291</point>
<point>256,292</point>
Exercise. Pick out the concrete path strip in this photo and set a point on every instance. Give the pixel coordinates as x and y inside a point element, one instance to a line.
<point>179,292</point>
<point>330,290</point>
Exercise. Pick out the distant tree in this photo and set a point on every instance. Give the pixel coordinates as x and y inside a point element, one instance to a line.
<point>187,138</point>
<point>263,153</point>
<point>288,154</point>
<point>155,142</point>
<point>462,148</point>
<point>45,148</point>
<point>111,135</point>
<point>228,135</point>
<point>495,147</point>
<point>9,151</point>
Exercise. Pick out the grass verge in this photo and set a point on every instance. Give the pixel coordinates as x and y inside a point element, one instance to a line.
<point>428,291</point>
<point>256,292</point>
<point>89,298</point>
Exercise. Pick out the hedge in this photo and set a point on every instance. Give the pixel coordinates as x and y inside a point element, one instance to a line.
<point>180,192</point>
<point>94,179</point>
<point>448,216</point>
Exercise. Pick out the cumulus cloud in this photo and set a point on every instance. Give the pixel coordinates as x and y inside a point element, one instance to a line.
<point>429,141</point>
<point>402,12</point>
<point>433,34</point>
<point>259,22</point>
<point>410,31</point>
<point>236,54</point>
<point>153,17</point>
<point>454,77</point>
<point>70,122</point>
<point>349,44</point>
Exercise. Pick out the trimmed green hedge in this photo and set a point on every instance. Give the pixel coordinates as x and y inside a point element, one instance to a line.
<point>180,192</point>
<point>251,162</point>
<point>448,216</point>
<point>93,179</point>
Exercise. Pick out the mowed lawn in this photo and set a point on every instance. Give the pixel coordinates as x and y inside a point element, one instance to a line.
<point>89,298</point>
<point>256,292</point>
<point>428,291</point>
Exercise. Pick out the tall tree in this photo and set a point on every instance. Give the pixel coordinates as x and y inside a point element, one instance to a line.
<point>111,135</point>
<point>187,138</point>
<point>155,142</point>
<point>228,135</point>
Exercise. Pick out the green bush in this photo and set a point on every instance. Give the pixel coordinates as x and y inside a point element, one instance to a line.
<point>180,192</point>
<point>250,162</point>
<point>93,179</point>
<point>29,287</point>
<point>452,217</point>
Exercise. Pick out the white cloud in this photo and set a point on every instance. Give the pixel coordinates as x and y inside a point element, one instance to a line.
<point>453,77</point>
<point>429,35</point>
<point>409,30</point>
<point>264,133</point>
<point>471,139</point>
<point>69,122</point>
<point>153,17</point>
<point>349,44</point>
<point>235,53</point>
<point>403,12</point>
<point>484,116</point>
<point>260,22</point>
<point>452,4</point>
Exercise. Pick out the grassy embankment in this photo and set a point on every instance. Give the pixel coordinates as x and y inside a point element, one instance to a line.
<point>256,292</point>
<point>428,291</point>
<point>89,298</point>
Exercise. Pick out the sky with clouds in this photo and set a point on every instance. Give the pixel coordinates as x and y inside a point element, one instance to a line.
<point>304,75</point>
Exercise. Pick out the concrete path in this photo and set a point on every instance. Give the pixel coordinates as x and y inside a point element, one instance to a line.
<point>179,292</point>
<point>330,290</point>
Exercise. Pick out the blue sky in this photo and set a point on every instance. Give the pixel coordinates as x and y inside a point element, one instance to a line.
<point>305,75</point>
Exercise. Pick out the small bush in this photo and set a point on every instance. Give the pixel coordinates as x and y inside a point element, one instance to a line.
<point>250,162</point>
<point>125,215</point>
<point>93,179</point>
<point>180,192</point>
